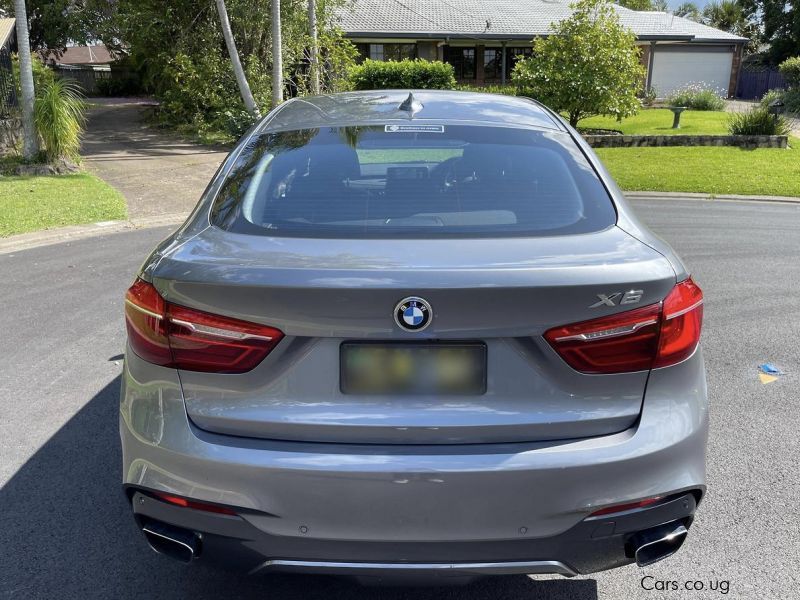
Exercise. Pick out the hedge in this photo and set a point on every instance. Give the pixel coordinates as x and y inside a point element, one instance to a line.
<point>405,74</point>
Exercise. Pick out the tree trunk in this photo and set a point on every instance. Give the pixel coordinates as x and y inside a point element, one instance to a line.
<point>30,140</point>
<point>241,78</point>
<point>574,118</point>
<point>314,54</point>
<point>277,57</point>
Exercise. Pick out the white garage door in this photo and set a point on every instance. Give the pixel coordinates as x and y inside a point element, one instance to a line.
<point>674,69</point>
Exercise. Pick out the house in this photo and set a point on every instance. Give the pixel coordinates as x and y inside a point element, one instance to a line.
<point>8,89</point>
<point>483,39</point>
<point>83,64</point>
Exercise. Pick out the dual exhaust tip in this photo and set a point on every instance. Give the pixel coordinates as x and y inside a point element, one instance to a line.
<point>178,543</point>
<point>652,545</point>
<point>648,546</point>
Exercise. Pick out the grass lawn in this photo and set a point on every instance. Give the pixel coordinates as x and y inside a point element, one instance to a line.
<point>658,121</point>
<point>33,203</point>
<point>712,170</point>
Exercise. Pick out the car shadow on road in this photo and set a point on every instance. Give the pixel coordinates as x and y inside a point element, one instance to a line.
<point>66,532</point>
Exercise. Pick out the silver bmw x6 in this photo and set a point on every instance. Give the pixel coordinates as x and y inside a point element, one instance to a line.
<point>414,333</point>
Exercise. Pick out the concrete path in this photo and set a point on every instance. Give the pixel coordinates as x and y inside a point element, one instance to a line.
<point>158,173</point>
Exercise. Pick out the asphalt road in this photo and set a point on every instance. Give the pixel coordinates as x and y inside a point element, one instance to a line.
<point>66,532</point>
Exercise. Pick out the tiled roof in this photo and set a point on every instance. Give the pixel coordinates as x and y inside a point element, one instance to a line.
<point>82,55</point>
<point>6,30</point>
<point>488,19</point>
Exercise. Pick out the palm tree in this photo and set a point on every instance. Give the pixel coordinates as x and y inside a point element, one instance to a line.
<point>277,55</point>
<point>241,78</point>
<point>660,5</point>
<point>30,139</point>
<point>314,51</point>
<point>729,15</point>
<point>688,10</point>
<point>725,14</point>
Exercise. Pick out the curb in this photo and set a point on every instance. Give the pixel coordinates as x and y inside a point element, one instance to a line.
<point>26,241</point>
<point>709,197</point>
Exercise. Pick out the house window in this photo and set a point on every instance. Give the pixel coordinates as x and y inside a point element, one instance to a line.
<point>392,51</point>
<point>514,54</point>
<point>493,63</point>
<point>463,61</point>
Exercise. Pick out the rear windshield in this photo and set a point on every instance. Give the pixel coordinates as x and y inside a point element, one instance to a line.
<point>412,181</point>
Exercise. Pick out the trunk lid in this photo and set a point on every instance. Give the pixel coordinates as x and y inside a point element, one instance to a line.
<point>323,292</point>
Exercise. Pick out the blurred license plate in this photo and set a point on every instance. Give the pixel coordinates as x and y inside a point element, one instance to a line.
<point>444,368</point>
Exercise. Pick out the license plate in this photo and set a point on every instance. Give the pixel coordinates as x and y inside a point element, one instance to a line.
<point>442,368</point>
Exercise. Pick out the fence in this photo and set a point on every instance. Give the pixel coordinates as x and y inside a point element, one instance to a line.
<point>754,83</point>
<point>8,89</point>
<point>85,77</point>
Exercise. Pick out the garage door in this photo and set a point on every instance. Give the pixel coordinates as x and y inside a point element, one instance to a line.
<point>673,69</point>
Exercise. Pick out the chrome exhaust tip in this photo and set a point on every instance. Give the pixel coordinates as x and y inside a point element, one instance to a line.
<point>181,544</point>
<point>653,545</point>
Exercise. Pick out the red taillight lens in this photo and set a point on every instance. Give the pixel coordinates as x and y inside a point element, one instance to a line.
<point>175,336</point>
<point>144,318</point>
<point>654,336</point>
<point>682,321</point>
<point>623,342</point>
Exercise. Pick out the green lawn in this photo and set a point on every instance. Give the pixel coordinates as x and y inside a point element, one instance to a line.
<point>712,170</point>
<point>658,121</point>
<point>33,203</point>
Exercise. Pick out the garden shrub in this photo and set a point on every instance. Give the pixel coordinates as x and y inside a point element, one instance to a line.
<point>405,74</point>
<point>771,96</point>
<point>758,121</point>
<point>697,96</point>
<point>790,99</point>
<point>506,90</point>
<point>790,69</point>
<point>59,115</point>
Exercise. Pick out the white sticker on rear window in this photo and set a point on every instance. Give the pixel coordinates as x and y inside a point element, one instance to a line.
<point>414,129</point>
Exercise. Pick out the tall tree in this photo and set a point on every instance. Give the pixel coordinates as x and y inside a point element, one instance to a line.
<point>781,25</point>
<point>688,10</point>
<point>277,55</point>
<point>30,139</point>
<point>314,50</point>
<point>588,66</point>
<point>241,78</point>
<point>660,5</point>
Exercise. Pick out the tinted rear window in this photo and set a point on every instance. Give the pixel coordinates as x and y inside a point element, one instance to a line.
<point>437,181</point>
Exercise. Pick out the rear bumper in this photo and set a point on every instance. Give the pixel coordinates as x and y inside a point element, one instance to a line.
<point>494,507</point>
<point>593,544</point>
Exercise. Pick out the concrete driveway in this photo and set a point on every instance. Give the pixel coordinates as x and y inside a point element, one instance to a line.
<point>66,531</point>
<point>157,172</point>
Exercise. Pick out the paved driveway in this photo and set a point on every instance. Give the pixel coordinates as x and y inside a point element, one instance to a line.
<point>66,532</point>
<point>158,173</point>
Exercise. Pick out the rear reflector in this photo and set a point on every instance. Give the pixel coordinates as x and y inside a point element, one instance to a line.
<point>184,338</point>
<point>658,335</point>
<point>618,508</point>
<point>186,503</point>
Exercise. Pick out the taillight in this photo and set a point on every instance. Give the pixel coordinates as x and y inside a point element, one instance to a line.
<point>681,322</point>
<point>653,336</point>
<point>184,338</point>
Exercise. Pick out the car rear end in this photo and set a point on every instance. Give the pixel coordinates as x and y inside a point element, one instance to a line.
<point>429,345</point>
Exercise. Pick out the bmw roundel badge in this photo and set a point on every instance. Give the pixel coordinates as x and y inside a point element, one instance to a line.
<point>413,314</point>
